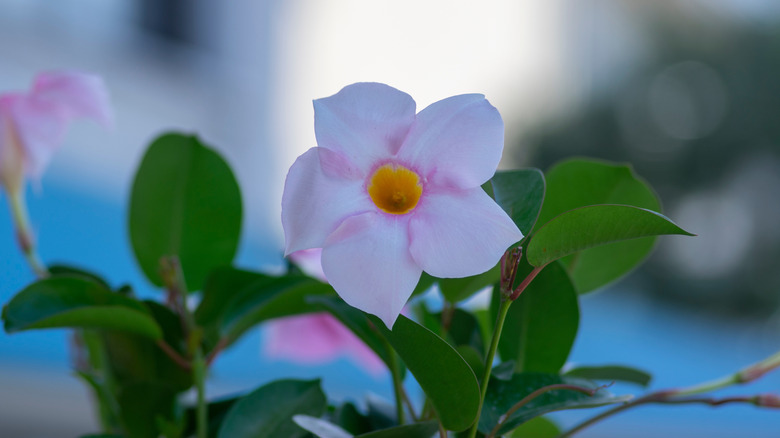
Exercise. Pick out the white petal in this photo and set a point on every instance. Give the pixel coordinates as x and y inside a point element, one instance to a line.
<point>314,204</point>
<point>456,142</point>
<point>367,261</point>
<point>458,234</point>
<point>366,122</point>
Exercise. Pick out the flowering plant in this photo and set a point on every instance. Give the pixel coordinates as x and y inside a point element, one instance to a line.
<point>402,204</point>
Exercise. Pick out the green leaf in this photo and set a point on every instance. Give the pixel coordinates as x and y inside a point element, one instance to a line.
<point>578,182</point>
<point>416,430</point>
<point>586,227</point>
<point>268,411</point>
<point>458,289</point>
<point>70,271</point>
<point>442,373</point>
<point>185,202</point>
<point>260,302</point>
<point>503,394</point>
<point>76,302</point>
<point>142,405</point>
<point>222,285</point>
<point>538,427</point>
<point>320,427</point>
<point>520,193</point>
<point>136,359</point>
<point>356,321</point>
<point>612,372</point>
<point>542,323</point>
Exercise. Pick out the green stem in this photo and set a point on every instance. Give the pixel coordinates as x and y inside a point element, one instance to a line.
<point>502,311</point>
<point>680,396</point>
<point>199,374</point>
<point>24,233</point>
<point>397,384</point>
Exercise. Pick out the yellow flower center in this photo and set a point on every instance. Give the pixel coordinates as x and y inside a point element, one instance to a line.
<point>395,189</point>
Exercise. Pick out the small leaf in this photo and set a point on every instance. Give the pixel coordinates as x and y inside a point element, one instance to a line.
<point>320,427</point>
<point>579,182</point>
<point>612,372</point>
<point>541,325</point>
<point>586,227</point>
<point>268,411</point>
<point>76,302</point>
<point>185,202</point>
<point>442,373</point>
<point>520,193</point>
<point>416,430</point>
<point>503,394</point>
<point>538,427</point>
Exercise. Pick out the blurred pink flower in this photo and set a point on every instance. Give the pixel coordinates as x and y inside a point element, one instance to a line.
<point>388,194</point>
<point>33,125</point>
<point>316,337</point>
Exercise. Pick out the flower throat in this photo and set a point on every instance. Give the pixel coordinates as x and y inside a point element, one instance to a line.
<point>395,189</point>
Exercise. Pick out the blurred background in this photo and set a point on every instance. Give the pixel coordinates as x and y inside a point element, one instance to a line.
<point>688,91</point>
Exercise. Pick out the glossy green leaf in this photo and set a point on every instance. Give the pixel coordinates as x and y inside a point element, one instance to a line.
<point>503,394</point>
<point>260,302</point>
<point>185,202</point>
<point>542,323</point>
<point>458,289</point>
<point>579,182</point>
<point>269,410</point>
<point>611,373</point>
<point>586,227</point>
<point>520,193</point>
<point>416,430</point>
<point>321,428</point>
<point>442,373</point>
<point>356,321</point>
<point>76,302</point>
<point>538,427</point>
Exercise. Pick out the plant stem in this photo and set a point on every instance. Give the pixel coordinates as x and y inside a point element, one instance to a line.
<point>24,233</point>
<point>199,374</point>
<point>681,396</point>
<point>174,355</point>
<point>397,384</point>
<point>502,311</point>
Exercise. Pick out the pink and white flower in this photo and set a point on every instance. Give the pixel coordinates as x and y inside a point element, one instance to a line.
<point>389,193</point>
<point>33,124</point>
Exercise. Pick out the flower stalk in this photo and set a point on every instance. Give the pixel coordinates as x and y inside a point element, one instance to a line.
<point>24,233</point>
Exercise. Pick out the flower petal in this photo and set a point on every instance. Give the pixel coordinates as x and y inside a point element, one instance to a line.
<point>80,94</point>
<point>314,204</point>
<point>367,261</point>
<point>364,121</point>
<point>458,234</point>
<point>38,126</point>
<point>456,142</point>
